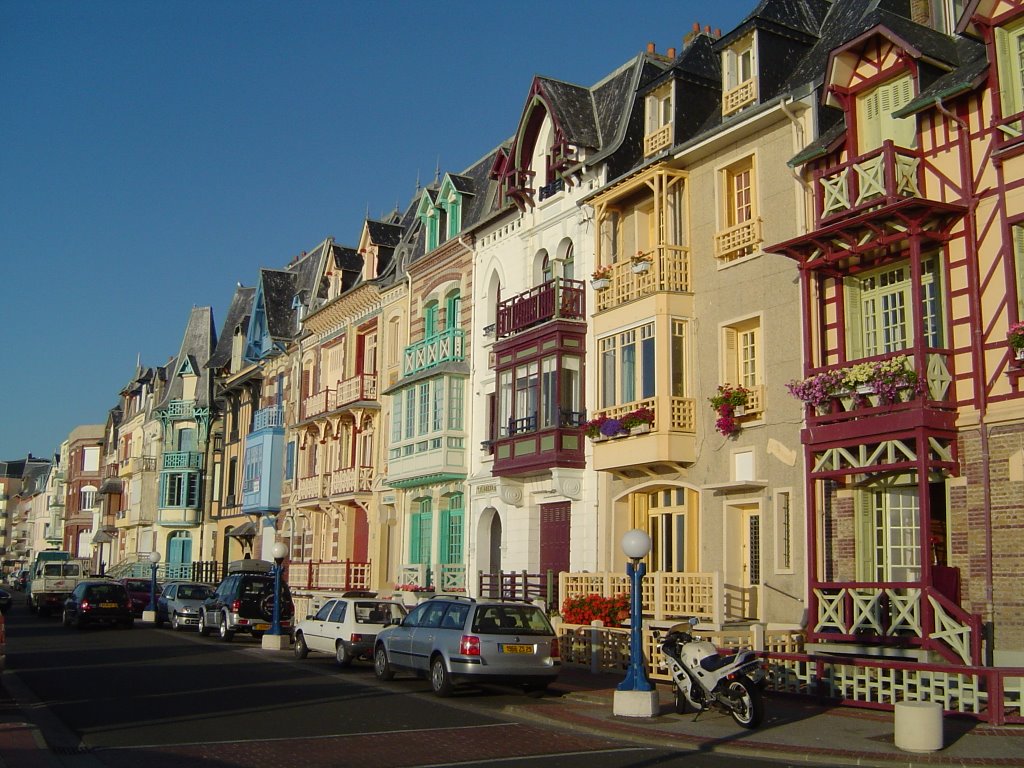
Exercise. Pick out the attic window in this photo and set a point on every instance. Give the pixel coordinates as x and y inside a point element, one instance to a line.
<point>739,66</point>
<point>658,133</point>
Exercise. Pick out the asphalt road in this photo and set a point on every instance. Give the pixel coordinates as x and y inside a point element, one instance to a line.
<point>160,699</point>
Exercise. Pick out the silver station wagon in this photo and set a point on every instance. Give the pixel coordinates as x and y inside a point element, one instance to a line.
<point>453,640</point>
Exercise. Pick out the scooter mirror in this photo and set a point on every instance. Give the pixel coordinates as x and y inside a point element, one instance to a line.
<point>694,621</point>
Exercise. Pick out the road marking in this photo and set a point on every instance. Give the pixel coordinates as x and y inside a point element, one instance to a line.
<point>588,753</point>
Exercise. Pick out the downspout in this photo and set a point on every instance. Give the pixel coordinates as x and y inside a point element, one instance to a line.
<point>802,209</point>
<point>977,353</point>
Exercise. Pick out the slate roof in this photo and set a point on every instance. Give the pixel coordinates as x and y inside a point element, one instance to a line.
<point>971,74</point>
<point>574,110</point>
<point>238,313</point>
<point>383,233</point>
<point>279,288</point>
<point>785,17</point>
<point>197,343</point>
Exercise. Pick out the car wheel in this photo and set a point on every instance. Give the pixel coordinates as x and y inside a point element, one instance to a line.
<point>440,680</point>
<point>301,650</point>
<point>204,630</point>
<point>342,656</point>
<point>65,619</point>
<point>225,633</point>
<point>381,666</point>
<point>175,622</point>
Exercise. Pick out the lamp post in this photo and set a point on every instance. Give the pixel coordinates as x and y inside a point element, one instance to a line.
<point>635,696</point>
<point>150,613</point>
<point>275,639</point>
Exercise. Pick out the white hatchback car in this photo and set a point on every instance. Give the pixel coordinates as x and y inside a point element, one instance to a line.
<point>346,626</point>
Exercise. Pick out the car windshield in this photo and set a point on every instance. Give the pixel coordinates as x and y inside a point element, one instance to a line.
<point>193,592</point>
<point>511,620</point>
<point>377,612</point>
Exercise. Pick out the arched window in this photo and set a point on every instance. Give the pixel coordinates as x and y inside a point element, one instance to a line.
<point>569,263</point>
<point>430,320</point>
<point>452,308</point>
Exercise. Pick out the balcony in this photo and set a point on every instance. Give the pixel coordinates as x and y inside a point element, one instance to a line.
<point>861,413</point>
<point>182,460</point>
<point>738,241</point>
<point>525,449</point>
<point>137,465</point>
<point>669,442</point>
<point>658,140</point>
<point>557,299</point>
<point>669,270</point>
<point>444,347</point>
<point>318,404</point>
<point>351,480</point>
<point>180,409</point>
<point>739,97</point>
<point>441,457</point>
<point>360,388</point>
<point>880,178</point>
<point>308,488</point>
<point>271,417</point>
<point>179,517</point>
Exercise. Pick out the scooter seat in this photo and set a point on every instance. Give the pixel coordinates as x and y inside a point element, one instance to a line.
<point>714,663</point>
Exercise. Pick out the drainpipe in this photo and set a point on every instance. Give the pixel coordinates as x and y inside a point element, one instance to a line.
<point>977,353</point>
<point>801,209</point>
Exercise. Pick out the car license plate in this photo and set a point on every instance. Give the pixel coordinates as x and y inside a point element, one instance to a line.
<point>510,648</point>
<point>261,627</point>
<point>108,605</point>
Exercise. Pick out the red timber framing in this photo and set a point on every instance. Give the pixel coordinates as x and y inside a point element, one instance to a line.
<point>871,213</point>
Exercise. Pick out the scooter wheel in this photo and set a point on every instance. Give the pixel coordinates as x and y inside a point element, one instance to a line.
<point>680,704</point>
<point>749,711</point>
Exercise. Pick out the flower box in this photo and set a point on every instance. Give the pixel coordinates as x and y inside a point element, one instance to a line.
<point>639,267</point>
<point>640,429</point>
<point>600,283</point>
<point>1018,354</point>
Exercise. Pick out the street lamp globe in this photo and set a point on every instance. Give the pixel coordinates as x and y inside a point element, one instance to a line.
<point>636,544</point>
<point>154,557</point>
<point>279,551</point>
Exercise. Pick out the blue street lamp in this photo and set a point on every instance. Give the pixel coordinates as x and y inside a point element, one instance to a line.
<point>279,551</point>
<point>636,544</point>
<point>154,558</point>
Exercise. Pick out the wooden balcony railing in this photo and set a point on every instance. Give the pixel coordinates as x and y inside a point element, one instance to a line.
<point>309,488</point>
<point>669,271</point>
<point>182,460</point>
<point>269,417</point>
<point>322,402</point>
<point>667,595</point>
<point>328,575</point>
<point>902,613</point>
<point>738,241</point>
<point>658,140</point>
<point>351,480</point>
<point>557,299</point>
<point>360,387</point>
<point>881,177</point>
<point>736,98</point>
<point>443,347</point>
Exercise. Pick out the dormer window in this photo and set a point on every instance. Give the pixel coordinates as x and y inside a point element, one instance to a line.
<point>658,133</point>
<point>441,215</point>
<point>739,66</point>
<point>875,121</point>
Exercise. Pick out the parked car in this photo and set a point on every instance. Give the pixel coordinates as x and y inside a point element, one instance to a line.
<point>140,592</point>
<point>96,602</point>
<point>455,640</point>
<point>6,598</point>
<point>346,626</point>
<point>244,602</point>
<point>179,603</point>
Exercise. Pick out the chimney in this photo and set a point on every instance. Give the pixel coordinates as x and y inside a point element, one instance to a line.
<point>652,48</point>
<point>707,30</point>
<point>671,53</point>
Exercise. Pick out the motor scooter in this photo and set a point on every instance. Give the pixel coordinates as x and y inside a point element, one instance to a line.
<point>703,678</point>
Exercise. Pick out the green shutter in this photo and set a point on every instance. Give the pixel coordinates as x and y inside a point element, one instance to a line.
<point>1018,266</point>
<point>1009,70</point>
<point>444,544</point>
<point>414,537</point>
<point>864,532</point>
<point>854,318</point>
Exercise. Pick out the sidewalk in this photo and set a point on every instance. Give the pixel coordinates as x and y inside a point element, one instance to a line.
<point>794,729</point>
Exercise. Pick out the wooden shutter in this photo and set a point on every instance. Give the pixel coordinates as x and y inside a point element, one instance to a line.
<point>854,318</point>
<point>1018,266</point>
<point>1009,70</point>
<point>903,131</point>
<point>730,356</point>
<point>869,127</point>
<point>864,531</point>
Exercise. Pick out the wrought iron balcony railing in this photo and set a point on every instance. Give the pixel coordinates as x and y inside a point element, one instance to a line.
<point>558,299</point>
<point>182,460</point>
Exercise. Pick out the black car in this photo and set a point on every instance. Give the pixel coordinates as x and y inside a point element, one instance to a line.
<point>98,602</point>
<point>244,602</point>
<point>5,600</point>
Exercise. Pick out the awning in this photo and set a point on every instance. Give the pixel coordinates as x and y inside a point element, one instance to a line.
<point>104,535</point>
<point>244,531</point>
<point>111,485</point>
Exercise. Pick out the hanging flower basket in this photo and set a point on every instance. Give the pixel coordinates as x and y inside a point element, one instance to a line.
<point>726,403</point>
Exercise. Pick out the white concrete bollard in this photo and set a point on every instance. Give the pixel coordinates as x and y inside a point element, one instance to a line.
<point>918,726</point>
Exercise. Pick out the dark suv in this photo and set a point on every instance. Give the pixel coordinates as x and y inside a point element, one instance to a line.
<point>244,602</point>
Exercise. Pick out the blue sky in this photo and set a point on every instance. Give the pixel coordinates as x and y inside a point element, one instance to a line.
<point>153,154</point>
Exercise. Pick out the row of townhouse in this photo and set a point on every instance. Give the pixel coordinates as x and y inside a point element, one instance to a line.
<point>758,299</point>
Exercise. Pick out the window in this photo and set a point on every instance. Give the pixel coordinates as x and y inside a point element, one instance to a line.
<point>667,526</point>
<point>451,530</point>
<point>540,394</point>
<point>180,489</point>
<point>430,312</point>
<point>1018,266</point>
<point>889,534</point>
<point>289,461</point>
<point>420,529</point>
<point>452,308</point>
<point>740,234</point>
<point>739,68</point>
<point>627,366</point>
<point>879,308</point>
<point>1010,58</point>
<point>658,108</point>
<point>88,497</point>
<point>741,358</point>
<point>677,358</point>
<point>784,532</point>
<point>425,410</point>
<point>875,122</point>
